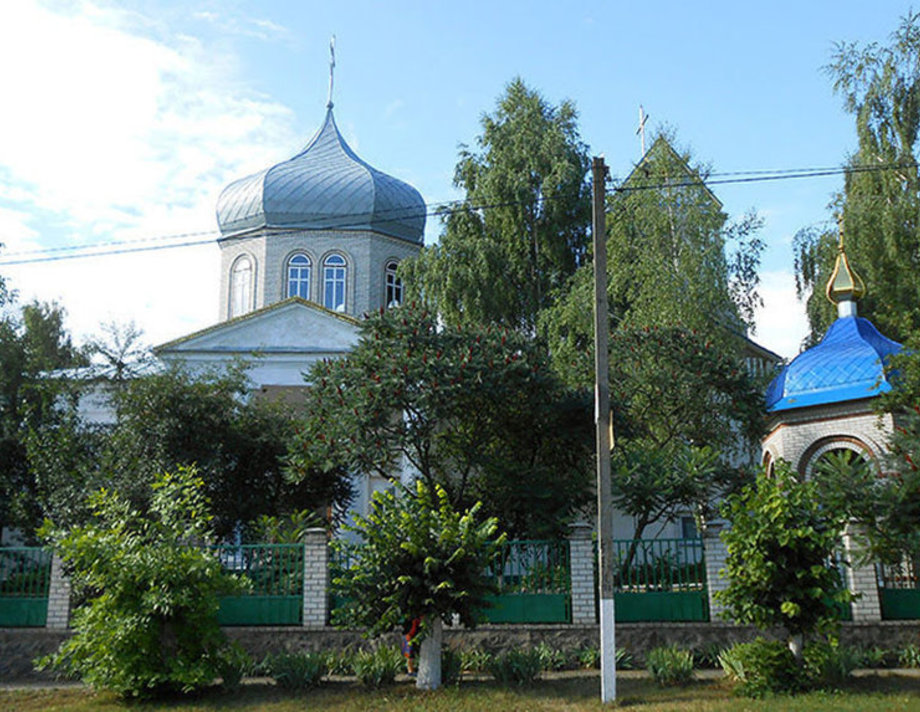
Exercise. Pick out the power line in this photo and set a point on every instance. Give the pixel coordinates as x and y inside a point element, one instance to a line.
<point>446,208</point>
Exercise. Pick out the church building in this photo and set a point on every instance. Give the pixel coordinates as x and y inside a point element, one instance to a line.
<point>307,246</point>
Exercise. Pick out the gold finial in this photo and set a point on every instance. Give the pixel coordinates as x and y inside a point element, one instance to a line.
<point>844,285</point>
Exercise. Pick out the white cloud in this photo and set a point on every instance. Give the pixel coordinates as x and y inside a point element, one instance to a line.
<point>781,323</point>
<point>118,135</point>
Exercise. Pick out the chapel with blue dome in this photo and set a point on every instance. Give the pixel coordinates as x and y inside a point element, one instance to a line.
<point>823,400</point>
<point>821,404</point>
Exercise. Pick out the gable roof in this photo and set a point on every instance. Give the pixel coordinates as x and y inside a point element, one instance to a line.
<point>292,326</point>
<point>659,146</point>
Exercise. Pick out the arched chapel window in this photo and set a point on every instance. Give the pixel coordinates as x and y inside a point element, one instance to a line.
<point>335,271</point>
<point>298,276</point>
<point>394,288</point>
<point>241,286</point>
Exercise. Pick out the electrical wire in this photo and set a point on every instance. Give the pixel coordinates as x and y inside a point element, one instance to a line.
<point>447,208</point>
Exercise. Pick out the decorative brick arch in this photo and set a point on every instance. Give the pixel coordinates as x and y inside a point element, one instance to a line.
<point>834,442</point>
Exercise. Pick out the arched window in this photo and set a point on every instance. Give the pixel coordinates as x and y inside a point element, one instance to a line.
<point>394,288</point>
<point>335,272</point>
<point>241,286</point>
<point>298,276</point>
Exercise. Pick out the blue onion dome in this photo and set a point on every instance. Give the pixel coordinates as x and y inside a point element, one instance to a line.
<point>848,364</point>
<point>324,187</point>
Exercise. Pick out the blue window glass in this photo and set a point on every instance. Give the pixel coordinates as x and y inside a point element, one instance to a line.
<point>298,277</point>
<point>335,272</point>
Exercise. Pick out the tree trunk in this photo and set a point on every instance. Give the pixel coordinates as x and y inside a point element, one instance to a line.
<point>429,658</point>
<point>796,645</point>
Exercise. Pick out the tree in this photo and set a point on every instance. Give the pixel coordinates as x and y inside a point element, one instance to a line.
<point>176,418</point>
<point>673,257</point>
<point>780,548</point>
<point>684,411</point>
<point>149,624</point>
<point>521,231</point>
<point>880,203</point>
<point>33,341</point>
<point>884,501</point>
<point>419,557</point>
<point>473,410</point>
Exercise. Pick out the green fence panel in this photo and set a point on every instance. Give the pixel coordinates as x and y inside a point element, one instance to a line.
<point>661,606</point>
<point>529,608</point>
<point>532,578</point>
<point>659,580</point>
<point>900,604</point>
<point>534,583</point>
<point>899,590</point>
<point>274,574</point>
<point>25,576</point>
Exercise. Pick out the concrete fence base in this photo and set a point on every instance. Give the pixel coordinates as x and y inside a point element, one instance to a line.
<point>20,646</point>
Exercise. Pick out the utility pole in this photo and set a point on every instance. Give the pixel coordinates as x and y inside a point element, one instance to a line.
<point>604,435</point>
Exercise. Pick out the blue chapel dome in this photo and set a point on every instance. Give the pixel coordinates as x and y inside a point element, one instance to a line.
<point>848,364</point>
<point>324,187</point>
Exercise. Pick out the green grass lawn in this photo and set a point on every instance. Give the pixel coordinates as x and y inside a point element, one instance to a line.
<point>572,693</point>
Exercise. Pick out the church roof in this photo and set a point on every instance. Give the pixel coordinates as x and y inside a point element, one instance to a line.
<point>848,364</point>
<point>324,187</point>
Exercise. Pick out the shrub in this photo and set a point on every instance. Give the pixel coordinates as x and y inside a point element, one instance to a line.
<point>761,667</point>
<point>474,659</point>
<point>149,622</point>
<point>877,657</point>
<point>909,656</point>
<point>623,659</point>
<point>550,657</point>
<point>451,667</point>
<point>829,664</point>
<point>340,662</point>
<point>706,656</point>
<point>516,667</point>
<point>589,658</point>
<point>669,665</point>
<point>233,664</point>
<point>376,668</point>
<point>296,671</point>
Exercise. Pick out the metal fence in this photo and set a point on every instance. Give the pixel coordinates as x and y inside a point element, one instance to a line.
<point>25,577</point>
<point>646,565</point>
<point>274,576</point>
<point>899,589</point>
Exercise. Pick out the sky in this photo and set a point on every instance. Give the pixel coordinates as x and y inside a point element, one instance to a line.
<point>123,121</point>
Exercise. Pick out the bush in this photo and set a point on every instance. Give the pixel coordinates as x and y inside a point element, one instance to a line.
<point>706,656</point>
<point>376,668</point>
<point>296,671</point>
<point>669,665</point>
<point>761,667</point>
<point>340,662</point>
<point>829,664</point>
<point>877,657</point>
<point>551,658</point>
<point>909,656</point>
<point>149,622</point>
<point>233,664</point>
<point>589,658</point>
<point>516,667</point>
<point>451,667</point>
<point>475,659</point>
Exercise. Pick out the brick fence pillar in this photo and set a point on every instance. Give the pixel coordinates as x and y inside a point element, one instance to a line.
<point>315,578</point>
<point>581,567</point>
<point>715,555</point>
<point>861,578</point>
<point>58,597</point>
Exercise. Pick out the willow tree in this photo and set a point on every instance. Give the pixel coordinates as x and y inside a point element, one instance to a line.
<point>880,202</point>
<point>521,229</point>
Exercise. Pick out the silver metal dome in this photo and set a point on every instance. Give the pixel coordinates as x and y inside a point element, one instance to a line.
<point>324,187</point>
